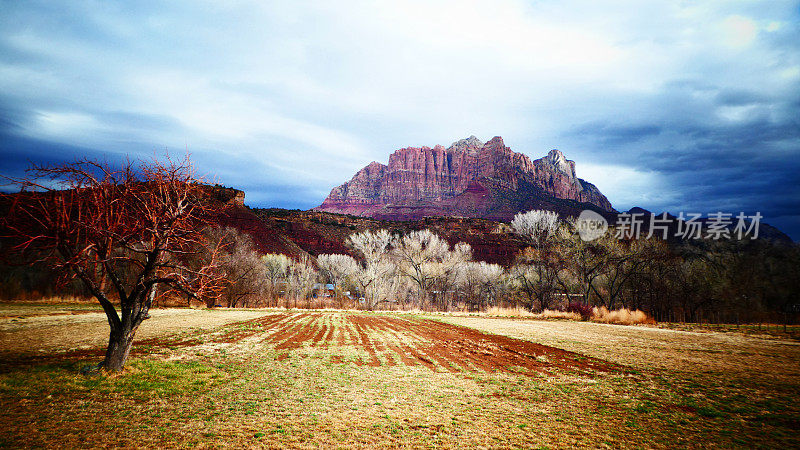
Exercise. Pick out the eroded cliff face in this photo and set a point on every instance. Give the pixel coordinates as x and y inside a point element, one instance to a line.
<point>469,179</point>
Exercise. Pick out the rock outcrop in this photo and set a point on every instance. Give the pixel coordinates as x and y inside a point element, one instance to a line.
<point>225,195</point>
<point>468,179</point>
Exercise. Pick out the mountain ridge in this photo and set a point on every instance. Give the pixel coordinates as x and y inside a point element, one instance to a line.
<point>470,178</point>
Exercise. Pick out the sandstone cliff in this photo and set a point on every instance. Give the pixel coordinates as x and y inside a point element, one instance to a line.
<point>469,179</point>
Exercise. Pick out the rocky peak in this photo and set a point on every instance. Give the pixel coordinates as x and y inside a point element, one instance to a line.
<point>556,156</point>
<point>372,169</point>
<point>226,195</point>
<point>555,160</point>
<point>495,144</point>
<point>471,143</point>
<point>638,210</point>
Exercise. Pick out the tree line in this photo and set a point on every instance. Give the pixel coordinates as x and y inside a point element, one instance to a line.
<point>730,281</point>
<point>724,281</point>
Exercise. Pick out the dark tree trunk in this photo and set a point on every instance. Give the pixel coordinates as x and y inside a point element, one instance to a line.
<point>119,347</point>
<point>123,329</point>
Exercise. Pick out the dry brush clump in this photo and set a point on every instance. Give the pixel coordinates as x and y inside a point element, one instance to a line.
<point>555,314</point>
<point>504,311</point>
<point>622,316</point>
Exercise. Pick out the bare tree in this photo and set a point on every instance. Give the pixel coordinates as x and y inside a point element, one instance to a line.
<point>480,282</point>
<point>301,278</point>
<point>524,280</point>
<point>128,228</point>
<point>587,262</point>
<point>242,267</point>
<point>537,225</point>
<point>445,273</point>
<point>536,275</point>
<point>387,284</point>
<point>276,272</point>
<point>338,269</point>
<point>374,248</point>
<point>418,255</point>
<point>540,278</point>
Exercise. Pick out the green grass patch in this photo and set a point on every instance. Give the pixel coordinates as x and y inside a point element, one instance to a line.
<point>141,379</point>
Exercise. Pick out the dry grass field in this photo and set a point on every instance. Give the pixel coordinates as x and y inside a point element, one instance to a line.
<point>217,378</point>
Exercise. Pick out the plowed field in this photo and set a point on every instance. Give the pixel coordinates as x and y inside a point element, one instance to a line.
<point>258,378</point>
<point>389,341</point>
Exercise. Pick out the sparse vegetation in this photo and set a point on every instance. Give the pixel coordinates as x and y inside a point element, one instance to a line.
<point>299,378</point>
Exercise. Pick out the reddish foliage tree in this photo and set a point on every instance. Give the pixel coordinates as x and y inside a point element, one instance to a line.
<point>121,233</point>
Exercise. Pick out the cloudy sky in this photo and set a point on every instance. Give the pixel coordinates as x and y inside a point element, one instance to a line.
<point>678,106</point>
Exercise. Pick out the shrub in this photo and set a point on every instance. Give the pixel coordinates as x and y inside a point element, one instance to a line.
<point>508,312</point>
<point>553,314</point>
<point>622,316</point>
<point>585,311</point>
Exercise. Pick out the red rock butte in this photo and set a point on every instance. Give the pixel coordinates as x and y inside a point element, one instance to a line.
<point>468,179</point>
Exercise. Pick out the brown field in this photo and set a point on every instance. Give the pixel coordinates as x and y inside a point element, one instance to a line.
<point>346,379</point>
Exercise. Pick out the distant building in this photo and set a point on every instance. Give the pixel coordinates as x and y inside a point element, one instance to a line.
<point>323,290</point>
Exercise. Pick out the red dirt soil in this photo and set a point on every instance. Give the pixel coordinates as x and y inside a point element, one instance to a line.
<point>386,340</point>
<point>438,346</point>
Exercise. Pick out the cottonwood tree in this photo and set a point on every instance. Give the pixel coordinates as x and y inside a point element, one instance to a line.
<point>374,247</point>
<point>121,232</point>
<point>372,279</point>
<point>445,273</point>
<point>480,282</point>
<point>300,279</point>
<point>337,269</point>
<point>694,282</point>
<point>537,225</point>
<point>276,272</point>
<point>536,274</point>
<point>649,288</point>
<point>525,280</point>
<point>537,267</point>
<point>587,261</point>
<point>419,255</point>
<point>242,267</point>
<point>389,287</point>
<point>625,259</point>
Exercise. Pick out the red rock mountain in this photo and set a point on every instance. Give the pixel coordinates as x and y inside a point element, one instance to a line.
<point>468,179</point>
